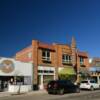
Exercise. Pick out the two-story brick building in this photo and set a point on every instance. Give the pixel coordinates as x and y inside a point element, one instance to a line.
<point>95,66</point>
<point>49,59</point>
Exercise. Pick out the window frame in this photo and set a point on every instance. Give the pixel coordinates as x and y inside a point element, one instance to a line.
<point>46,57</point>
<point>81,60</point>
<point>66,58</point>
<point>29,55</point>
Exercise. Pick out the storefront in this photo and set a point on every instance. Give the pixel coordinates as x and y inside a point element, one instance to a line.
<point>14,73</point>
<point>67,72</point>
<point>45,74</point>
<point>95,71</point>
<point>83,73</point>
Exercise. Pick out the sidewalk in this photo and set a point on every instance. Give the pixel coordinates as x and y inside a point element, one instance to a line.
<point>7,94</point>
<point>37,92</point>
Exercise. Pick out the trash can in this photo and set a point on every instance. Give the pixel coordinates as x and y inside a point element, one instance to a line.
<point>35,87</point>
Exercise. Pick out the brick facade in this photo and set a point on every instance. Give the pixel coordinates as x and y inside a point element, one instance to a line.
<point>95,62</point>
<point>33,54</point>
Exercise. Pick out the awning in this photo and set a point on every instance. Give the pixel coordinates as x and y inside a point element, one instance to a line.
<point>67,71</point>
<point>94,69</point>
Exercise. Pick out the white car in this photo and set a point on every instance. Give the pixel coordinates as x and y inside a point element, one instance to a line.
<point>89,84</point>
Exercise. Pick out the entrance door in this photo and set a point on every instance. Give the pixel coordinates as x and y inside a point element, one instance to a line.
<point>46,79</point>
<point>4,81</point>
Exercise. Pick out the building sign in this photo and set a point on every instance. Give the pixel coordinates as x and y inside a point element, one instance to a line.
<point>7,66</point>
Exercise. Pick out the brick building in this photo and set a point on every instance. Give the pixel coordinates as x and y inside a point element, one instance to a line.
<point>95,66</point>
<point>48,59</point>
<point>95,62</point>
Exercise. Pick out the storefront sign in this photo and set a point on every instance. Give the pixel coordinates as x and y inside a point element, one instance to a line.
<point>7,66</point>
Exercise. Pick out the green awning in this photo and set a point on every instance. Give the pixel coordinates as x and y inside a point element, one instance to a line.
<point>67,71</point>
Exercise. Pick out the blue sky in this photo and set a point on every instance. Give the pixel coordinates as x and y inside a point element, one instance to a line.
<point>49,21</point>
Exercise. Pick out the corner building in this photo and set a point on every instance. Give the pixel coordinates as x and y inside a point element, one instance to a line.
<point>49,59</point>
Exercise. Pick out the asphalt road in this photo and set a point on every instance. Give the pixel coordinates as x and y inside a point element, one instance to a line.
<point>84,95</point>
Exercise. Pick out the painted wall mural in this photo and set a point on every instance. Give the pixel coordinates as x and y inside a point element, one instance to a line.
<point>7,66</point>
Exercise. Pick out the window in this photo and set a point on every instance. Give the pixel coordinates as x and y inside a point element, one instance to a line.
<point>45,71</point>
<point>51,71</point>
<point>81,60</point>
<point>46,55</point>
<point>66,58</point>
<point>97,63</point>
<point>84,81</point>
<point>40,71</point>
<point>92,82</point>
<point>30,55</point>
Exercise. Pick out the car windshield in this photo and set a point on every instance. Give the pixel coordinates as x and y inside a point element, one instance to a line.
<point>52,82</point>
<point>61,82</point>
<point>92,81</point>
<point>84,82</point>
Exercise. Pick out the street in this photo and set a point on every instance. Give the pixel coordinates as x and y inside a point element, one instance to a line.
<point>84,95</point>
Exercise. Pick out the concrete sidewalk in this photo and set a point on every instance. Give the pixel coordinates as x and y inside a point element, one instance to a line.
<point>7,94</point>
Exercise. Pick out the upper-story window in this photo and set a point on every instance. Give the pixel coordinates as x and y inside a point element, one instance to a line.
<point>66,58</point>
<point>30,55</point>
<point>46,55</point>
<point>81,60</point>
<point>97,63</point>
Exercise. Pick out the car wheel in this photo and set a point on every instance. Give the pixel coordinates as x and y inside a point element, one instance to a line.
<point>92,88</point>
<point>61,91</point>
<point>77,90</point>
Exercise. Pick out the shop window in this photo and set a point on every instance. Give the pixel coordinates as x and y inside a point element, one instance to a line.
<point>19,80</point>
<point>45,71</point>
<point>46,79</point>
<point>51,71</point>
<point>66,59</point>
<point>40,71</point>
<point>27,80</point>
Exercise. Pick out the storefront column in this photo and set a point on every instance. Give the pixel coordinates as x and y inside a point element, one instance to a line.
<point>41,85</point>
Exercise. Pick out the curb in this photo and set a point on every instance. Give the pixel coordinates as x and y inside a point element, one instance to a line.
<point>37,92</point>
<point>4,94</point>
<point>7,94</point>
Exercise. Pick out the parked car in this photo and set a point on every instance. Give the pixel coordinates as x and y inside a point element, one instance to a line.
<point>61,87</point>
<point>89,84</point>
<point>96,78</point>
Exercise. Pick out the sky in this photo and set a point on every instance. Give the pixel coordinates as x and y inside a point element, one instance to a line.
<point>49,21</point>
